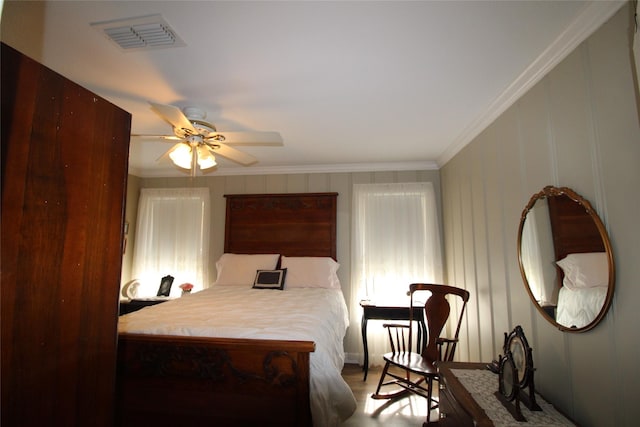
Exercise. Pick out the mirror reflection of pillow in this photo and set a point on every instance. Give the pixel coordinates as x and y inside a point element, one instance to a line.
<point>585,270</point>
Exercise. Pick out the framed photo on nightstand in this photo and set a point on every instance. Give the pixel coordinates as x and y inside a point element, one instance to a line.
<point>165,286</point>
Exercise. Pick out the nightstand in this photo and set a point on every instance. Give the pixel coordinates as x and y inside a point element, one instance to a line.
<point>129,306</point>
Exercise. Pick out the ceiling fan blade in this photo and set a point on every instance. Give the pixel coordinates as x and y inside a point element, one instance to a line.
<point>164,137</point>
<point>174,116</point>
<point>252,138</point>
<point>165,155</point>
<point>235,155</point>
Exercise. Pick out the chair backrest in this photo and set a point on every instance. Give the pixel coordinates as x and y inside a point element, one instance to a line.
<point>436,313</point>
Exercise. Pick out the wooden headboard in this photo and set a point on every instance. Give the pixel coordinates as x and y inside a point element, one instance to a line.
<point>573,228</point>
<point>296,224</point>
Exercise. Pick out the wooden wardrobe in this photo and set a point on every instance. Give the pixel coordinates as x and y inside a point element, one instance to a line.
<point>64,172</point>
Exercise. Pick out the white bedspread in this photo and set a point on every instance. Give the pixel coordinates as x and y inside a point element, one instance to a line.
<point>577,308</point>
<point>308,314</point>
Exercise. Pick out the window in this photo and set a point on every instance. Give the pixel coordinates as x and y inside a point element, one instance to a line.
<point>395,242</point>
<point>172,237</point>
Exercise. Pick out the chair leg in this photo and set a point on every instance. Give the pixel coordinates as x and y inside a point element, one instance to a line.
<point>384,374</point>
<point>403,391</point>
<point>429,398</point>
<point>378,395</point>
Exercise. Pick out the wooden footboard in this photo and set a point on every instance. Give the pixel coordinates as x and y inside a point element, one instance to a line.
<point>195,381</point>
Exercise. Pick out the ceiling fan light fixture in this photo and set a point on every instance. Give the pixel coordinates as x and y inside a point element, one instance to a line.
<point>199,139</point>
<point>206,160</point>
<point>181,156</point>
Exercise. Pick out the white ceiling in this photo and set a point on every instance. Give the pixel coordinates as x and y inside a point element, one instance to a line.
<point>350,85</point>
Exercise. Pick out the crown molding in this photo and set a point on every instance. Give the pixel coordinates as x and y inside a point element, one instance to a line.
<point>585,24</point>
<point>290,170</point>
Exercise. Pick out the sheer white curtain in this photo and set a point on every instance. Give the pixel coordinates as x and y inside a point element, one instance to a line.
<point>537,254</point>
<point>531,258</point>
<point>172,237</point>
<point>395,242</point>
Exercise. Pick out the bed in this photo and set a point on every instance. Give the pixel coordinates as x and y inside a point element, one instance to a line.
<point>581,260</point>
<point>235,354</point>
<point>577,308</point>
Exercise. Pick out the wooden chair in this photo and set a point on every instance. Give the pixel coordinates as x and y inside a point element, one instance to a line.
<point>435,348</point>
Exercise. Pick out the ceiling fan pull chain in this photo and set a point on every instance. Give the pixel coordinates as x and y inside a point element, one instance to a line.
<point>194,160</point>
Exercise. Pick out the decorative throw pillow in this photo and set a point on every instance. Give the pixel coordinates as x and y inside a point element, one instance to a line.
<point>270,279</point>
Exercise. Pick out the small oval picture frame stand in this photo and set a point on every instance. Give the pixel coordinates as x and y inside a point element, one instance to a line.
<point>508,389</point>
<point>516,344</point>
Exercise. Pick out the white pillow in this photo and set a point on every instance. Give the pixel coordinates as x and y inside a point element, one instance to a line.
<point>585,270</point>
<point>310,272</point>
<point>239,269</point>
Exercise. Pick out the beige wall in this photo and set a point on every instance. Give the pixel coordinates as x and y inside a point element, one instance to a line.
<point>578,128</point>
<point>341,183</point>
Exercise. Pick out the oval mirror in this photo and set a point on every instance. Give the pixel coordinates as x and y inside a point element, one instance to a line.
<point>565,259</point>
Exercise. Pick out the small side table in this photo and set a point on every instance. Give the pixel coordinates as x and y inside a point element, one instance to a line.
<point>136,304</point>
<point>371,310</point>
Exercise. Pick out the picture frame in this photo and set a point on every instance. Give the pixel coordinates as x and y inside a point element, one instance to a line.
<point>270,279</point>
<point>165,286</point>
<point>517,347</point>
<point>508,389</point>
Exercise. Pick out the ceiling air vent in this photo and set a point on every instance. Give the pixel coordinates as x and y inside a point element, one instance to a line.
<point>144,32</point>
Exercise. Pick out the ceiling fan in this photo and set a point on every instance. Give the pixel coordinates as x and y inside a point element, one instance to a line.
<point>200,140</point>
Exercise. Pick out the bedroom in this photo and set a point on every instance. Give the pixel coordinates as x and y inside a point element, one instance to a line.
<point>483,191</point>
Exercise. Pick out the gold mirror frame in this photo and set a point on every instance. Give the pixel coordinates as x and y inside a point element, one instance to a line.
<point>546,193</point>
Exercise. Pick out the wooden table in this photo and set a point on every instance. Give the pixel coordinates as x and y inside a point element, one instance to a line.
<point>371,310</point>
<point>459,408</point>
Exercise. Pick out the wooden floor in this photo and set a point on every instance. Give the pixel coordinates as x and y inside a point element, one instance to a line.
<point>407,411</point>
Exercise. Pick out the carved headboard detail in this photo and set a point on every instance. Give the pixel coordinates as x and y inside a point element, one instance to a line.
<point>573,230</point>
<point>295,224</point>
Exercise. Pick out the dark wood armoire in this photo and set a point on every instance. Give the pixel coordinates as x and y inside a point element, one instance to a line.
<point>64,172</point>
